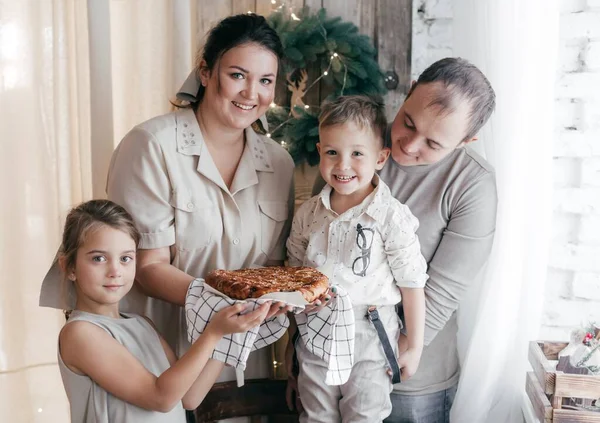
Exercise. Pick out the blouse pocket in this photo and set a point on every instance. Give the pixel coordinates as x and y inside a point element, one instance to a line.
<point>273,215</point>
<point>197,221</point>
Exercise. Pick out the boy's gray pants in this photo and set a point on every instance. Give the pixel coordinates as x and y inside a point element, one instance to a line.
<point>365,397</point>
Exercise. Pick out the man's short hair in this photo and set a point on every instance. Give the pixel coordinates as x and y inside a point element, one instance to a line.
<point>363,110</point>
<point>463,81</point>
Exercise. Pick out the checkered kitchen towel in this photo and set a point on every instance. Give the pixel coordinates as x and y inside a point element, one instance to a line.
<point>202,303</point>
<point>329,334</point>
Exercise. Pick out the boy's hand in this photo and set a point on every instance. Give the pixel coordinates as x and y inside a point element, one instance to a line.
<point>408,361</point>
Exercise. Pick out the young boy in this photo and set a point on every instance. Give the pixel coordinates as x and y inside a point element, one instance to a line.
<point>369,242</point>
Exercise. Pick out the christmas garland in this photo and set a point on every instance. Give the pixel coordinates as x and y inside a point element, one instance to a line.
<point>346,60</point>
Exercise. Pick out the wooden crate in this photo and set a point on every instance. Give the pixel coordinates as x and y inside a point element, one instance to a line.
<point>549,389</point>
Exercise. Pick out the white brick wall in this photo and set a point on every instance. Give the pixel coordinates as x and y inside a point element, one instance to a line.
<point>575,252</point>
<point>573,281</point>
<point>432,33</point>
<point>580,24</point>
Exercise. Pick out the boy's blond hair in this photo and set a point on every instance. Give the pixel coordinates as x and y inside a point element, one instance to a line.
<point>363,110</point>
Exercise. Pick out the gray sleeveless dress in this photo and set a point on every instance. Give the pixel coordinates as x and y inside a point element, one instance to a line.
<point>92,404</point>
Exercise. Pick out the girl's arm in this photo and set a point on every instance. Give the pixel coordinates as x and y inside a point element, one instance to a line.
<point>89,350</point>
<point>207,378</point>
<point>203,384</point>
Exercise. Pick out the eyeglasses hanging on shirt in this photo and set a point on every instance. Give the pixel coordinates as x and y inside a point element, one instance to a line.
<point>364,241</point>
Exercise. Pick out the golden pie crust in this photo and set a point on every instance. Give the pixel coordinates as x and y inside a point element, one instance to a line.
<point>254,283</point>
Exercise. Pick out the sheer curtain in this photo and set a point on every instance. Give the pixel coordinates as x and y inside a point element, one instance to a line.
<point>515,43</point>
<point>45,162</point>
<point>75,76</point>
<point>141,51</point>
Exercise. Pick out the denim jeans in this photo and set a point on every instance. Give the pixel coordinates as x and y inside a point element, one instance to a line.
<point>430,408</point>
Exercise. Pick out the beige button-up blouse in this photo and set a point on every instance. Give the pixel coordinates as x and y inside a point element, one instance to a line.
<point>164,175</point>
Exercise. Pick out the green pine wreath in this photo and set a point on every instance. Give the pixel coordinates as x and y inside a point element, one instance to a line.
<point>346,60</point>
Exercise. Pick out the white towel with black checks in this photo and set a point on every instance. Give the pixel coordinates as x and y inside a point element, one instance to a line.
<point>201,304</point>
<point>329,334</point>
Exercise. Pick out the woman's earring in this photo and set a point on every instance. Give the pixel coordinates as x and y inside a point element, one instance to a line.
<point>72,277</point>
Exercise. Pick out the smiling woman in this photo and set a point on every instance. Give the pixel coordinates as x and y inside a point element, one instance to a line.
<point>204,189</point>
<point>193,179</point>
<point>242,87</point>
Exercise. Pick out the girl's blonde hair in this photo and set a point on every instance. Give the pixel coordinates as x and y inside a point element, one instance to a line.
<point>87,217</point>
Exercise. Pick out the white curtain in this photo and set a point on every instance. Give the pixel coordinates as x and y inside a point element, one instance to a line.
<point>141,51</point>
<point>44,164</point>
<point>75,76</point>
<point>515,43</point>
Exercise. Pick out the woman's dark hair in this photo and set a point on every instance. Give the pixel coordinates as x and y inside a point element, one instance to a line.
<point>462,81</point>
<point>232,32</point>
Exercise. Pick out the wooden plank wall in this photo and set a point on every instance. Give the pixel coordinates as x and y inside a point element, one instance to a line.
<point>386,22</point>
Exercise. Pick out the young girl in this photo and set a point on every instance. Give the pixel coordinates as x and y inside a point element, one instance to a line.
<point>115,366</point>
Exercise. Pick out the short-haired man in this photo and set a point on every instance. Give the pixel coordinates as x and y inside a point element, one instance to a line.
<point>452,192</point>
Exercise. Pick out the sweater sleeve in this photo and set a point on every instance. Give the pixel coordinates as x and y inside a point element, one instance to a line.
<point>462,252</point>
<point>402,248</point>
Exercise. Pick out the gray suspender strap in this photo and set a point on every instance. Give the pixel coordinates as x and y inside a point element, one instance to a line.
<point>373,316</point>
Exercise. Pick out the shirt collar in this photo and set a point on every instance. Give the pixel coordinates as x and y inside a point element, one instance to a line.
<point>256,147</point>
<point>190,141</point>
<point>255,157</point>
<point>188,135</point>
<point>377,208</point>
<point>325,196</point>
<point>375,205</point>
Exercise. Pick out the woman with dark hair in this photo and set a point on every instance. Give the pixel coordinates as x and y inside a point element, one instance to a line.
<point>205,190</point>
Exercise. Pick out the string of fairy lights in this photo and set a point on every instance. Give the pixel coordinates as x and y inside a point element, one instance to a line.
<point>333,56</point>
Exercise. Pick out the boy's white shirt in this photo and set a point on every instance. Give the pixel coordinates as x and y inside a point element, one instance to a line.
<point>388,227</point>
